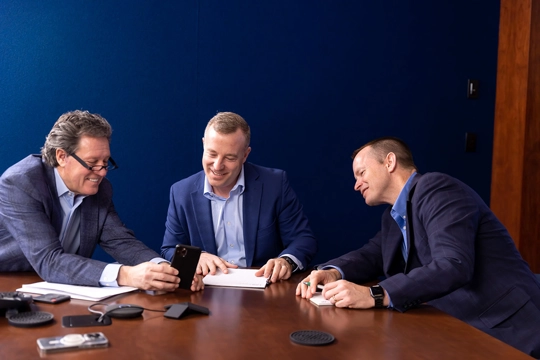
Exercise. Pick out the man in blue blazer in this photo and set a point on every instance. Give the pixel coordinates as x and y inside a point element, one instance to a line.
<point>56,207</point>
<point>439,244</point>
<point>240,214</point>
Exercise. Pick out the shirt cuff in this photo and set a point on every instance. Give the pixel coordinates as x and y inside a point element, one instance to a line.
<point>109,276</point>
<point>158,260</point>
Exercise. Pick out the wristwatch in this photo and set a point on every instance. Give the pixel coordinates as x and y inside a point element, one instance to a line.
<point>377,292</point>
<point>291,262</point>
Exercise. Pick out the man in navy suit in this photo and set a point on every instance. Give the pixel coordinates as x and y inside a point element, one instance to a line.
<point>240,214</point>
<point>56,207</point>
<point>439,244</point>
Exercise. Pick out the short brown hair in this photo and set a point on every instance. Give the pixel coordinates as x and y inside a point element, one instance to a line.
<point>384,145</point>
<point>228,123</point>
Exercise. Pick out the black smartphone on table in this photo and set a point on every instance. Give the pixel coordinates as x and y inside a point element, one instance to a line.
<point>185,260</point>
<point>52,298</point>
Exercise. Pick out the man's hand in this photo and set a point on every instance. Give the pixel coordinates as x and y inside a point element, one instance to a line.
<point>149,276</point>
<point>208,264</point>
<point>275,270</point>
<point>315,278</point>
<point>345,294</point>
<point>197,283</point>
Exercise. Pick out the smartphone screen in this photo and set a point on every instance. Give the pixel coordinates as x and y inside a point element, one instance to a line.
<point>185,260</point>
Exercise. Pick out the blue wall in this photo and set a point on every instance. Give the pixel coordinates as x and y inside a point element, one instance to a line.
<point>315,80</point>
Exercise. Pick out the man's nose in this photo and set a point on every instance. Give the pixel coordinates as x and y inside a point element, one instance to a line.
<point>357,185</point>
<point>218,164</point>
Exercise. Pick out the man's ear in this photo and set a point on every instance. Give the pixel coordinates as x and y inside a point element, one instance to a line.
<point>248,150</point>
<point>61,156</point>
<point>391,161</point>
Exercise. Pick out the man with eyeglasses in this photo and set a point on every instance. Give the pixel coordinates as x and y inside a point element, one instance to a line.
<point>56,207</point>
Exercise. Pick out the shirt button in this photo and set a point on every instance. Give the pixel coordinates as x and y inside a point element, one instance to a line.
<point>404,228</point>
<point>231,245</point>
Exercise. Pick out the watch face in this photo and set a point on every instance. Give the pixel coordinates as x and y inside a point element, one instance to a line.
<point>376,291</point>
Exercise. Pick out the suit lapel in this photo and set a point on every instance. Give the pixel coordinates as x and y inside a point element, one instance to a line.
<point>56,209</point>
<point>203,217</point>
<point>410,230</point>
<point>252,206</point>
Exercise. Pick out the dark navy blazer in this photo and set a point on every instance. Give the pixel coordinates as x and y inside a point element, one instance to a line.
<point>461,260</point>
<point>274,222</point>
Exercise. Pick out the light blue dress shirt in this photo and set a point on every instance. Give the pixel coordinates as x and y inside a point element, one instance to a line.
<point>228,220</point>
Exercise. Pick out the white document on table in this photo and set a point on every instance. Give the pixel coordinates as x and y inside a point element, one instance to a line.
<point>242,278</point>
<point>90,293</point>
<point>319,300</point>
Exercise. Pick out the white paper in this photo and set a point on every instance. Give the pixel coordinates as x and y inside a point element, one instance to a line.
<point>89,293</point>
<point>318,299</point>
<point>244,278</point>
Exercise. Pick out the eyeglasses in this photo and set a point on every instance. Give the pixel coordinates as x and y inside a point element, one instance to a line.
<point>111,166</point>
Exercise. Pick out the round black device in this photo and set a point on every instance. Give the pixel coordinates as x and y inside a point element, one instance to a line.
<point>123,311</point>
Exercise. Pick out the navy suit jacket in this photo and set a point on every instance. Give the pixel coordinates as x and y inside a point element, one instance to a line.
<point>274,222</point>
<point>31,220</point>
<point>461,260</point>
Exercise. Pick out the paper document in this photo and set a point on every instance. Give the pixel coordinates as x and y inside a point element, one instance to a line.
<point>236,278</point>
<point>89,293</point>
<point>318,299</point>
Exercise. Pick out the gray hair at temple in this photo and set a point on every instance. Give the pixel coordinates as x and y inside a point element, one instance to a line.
<point>382,146</point>
<point>228,123</point>
<point>68,130</point>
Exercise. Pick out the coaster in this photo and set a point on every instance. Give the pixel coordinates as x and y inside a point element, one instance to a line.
<point>311,337</point>
<point>30,318</point>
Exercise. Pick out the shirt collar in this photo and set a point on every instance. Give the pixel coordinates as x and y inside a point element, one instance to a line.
<point>61,187</point>
<point>400,206</point>
<point>240,185</point>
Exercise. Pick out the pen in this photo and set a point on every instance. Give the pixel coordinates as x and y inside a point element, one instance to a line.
<point>307,283</point>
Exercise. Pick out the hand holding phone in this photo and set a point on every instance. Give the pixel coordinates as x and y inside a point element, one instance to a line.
<point>185,260</point>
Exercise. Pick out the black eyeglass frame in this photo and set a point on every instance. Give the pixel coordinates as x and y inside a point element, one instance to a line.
<point>111,166</point>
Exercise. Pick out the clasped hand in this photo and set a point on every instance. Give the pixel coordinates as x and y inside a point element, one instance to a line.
<point>341,293</point>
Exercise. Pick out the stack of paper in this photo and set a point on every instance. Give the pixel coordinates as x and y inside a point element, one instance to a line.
<point>89,293</point>
<point>244,278</point>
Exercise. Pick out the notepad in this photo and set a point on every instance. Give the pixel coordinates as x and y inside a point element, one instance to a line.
<point>319,300</point>
<point>242,278</point>
<point>90,293</point>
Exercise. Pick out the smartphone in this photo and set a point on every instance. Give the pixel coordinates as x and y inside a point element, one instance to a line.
<point>185,260</point>
<point>52,298</point>
<point>72,342</point>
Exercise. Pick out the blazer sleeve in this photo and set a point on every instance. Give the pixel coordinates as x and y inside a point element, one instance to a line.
<point>174,230</point>
<point>113,236</point>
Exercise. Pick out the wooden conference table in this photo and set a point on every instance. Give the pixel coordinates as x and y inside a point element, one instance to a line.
<point>245,324</point>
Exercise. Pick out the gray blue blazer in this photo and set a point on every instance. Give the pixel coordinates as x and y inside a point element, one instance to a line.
<point>31,220</point>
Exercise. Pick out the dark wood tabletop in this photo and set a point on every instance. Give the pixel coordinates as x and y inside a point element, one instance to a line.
<point>255,324</point>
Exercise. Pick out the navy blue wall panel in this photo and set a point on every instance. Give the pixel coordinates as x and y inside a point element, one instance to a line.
<point>315,80</point>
